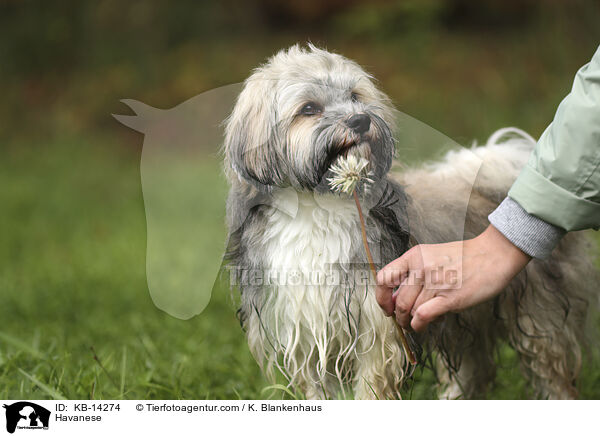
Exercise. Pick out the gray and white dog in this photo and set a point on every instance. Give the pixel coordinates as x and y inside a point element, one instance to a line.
<point>295,250</point>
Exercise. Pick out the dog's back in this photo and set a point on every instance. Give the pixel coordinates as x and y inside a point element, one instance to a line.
<point>449,198</point>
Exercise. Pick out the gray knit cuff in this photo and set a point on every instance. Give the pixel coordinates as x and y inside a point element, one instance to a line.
<point>534,236</point>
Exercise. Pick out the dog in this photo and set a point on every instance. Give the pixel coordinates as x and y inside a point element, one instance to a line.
<point>295,252</point>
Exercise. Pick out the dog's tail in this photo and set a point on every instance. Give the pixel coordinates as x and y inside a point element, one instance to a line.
<point>511,135</point>
<point>501,157</point>
<point>507,150</point>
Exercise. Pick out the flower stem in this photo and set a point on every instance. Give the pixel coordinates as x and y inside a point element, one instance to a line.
<point>409,354</point>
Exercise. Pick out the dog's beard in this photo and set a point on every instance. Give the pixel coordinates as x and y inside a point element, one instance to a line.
<point>330,140</point>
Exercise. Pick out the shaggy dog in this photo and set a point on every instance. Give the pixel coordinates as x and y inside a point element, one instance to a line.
<point>295,251</point>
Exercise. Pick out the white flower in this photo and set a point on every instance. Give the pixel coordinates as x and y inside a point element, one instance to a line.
<point>348,172</point>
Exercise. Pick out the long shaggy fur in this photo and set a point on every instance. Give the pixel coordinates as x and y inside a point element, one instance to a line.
<point>295,250</point>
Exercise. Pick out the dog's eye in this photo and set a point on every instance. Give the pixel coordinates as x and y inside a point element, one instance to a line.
<point>354,97</point>
<point>311,109</point>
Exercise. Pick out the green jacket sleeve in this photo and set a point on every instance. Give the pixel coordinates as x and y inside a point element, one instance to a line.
<point>561,182</point>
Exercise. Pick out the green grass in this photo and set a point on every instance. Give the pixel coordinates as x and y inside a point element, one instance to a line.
<point>73,289</point>
<point>73,277</point>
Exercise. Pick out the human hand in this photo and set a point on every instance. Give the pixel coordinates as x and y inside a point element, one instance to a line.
<point>440,278</point>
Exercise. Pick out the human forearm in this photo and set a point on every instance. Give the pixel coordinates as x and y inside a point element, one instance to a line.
<point>561,182</point>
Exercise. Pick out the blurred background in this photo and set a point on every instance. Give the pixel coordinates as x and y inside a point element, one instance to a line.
<point>77,319</point>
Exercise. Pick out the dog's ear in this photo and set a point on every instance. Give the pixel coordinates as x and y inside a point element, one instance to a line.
<point>252,146</point>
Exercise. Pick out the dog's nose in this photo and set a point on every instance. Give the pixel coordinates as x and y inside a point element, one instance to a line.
<point>360,123</point>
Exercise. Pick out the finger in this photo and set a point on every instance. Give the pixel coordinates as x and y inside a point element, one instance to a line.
<point>388,279</point>
<point>383,295</point>
<point>405,297</point>
<point>428,312</point>
<point>424,296</point>
<point>394,272</point>
<point>390,276</point>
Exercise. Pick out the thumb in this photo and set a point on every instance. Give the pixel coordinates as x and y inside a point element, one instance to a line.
<point>429,311</point>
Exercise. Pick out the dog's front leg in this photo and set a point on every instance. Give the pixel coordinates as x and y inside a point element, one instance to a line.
<point>380,364</point>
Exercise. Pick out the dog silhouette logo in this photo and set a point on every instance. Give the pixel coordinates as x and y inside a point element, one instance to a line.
<point>184,207</point>
<point>26,415</point>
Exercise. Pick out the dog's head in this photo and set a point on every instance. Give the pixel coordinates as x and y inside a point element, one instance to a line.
<point>299,113</point>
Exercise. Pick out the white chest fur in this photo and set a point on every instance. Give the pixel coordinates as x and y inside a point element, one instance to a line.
<point>321,232</point>
<point>318,315</point>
